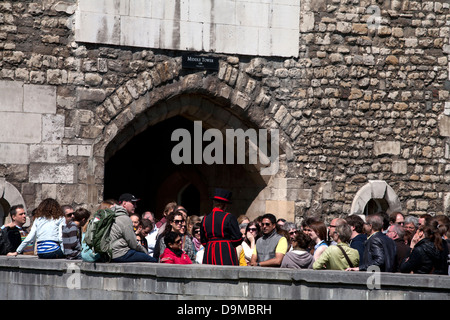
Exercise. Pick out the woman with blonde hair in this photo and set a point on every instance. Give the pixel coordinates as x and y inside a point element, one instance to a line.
<point>46,231</point>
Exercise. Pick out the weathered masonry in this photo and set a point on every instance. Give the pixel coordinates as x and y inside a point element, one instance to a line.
<point>90,92</point>
<point>30,278</point>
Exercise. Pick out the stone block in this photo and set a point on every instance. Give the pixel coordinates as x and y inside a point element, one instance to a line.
<point>191,36</point>
<point>52,173</point>
<point>386,147</point>
<point>97,28</point>
<point>249,39</point>
<point>284,42</point>
<point>327,191</point>
<point>444,125</point>
<point>48,153</point>
<point>377,190</point>
<point>14,153</point>
<point>20,127</point>
<point>140,32</point>
<point>226,38</point>
<point>105,6</point>
<point>52,128</point>
<point>227,10</point>
<point>11,96</point>
<point>90,95</point>
<point>281,209</point>
<point>84,150</point>
<point>255,14</point>
<point>48,191</point>
<point>307,21</point>
<point>446,202</point>
<point>194,25</point>
<point>200,11</point>
<point>400,167</point>
<point>305,195</point>
<point>141,8</point>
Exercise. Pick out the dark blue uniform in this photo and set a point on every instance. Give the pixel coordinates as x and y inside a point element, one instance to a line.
<point>220,235</point>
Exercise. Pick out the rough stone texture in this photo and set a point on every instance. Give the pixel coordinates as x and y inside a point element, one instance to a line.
<point>366,99</point>
<point>28,278</point>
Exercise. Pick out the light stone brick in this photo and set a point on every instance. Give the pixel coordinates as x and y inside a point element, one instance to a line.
<point>20,127</point>
<point>14,153</point>
<point>400,167</point>
<point>11,96</point>
<point>281,209</point>
<point>39,99</point>
<point>52,128</point>
<point>386,147</point>
<point>195,25</point>
<point>48,153</point>
<point>51,173</point>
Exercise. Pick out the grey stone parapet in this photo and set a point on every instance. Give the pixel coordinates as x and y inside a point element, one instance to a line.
<point>30,278</point>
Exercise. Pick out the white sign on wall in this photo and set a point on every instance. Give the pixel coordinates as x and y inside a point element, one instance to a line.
<point>252,27</point>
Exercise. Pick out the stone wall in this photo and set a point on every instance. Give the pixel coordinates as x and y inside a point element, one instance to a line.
<point>367,99</point>
<point>30,278</point>
<point>258,27</point>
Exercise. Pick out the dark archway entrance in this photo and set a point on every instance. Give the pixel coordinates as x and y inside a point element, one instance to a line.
<point>144,167</point>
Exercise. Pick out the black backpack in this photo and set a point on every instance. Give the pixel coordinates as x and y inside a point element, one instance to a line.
<point>5,245</point>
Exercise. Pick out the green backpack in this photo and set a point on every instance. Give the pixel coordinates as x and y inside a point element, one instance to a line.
<point>98,231</point>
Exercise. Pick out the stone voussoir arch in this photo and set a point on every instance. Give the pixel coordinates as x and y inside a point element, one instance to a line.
<point>161,93</point>
<point>375,189</point>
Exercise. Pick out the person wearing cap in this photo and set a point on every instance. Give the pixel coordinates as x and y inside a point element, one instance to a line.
<point>219,232</point>
<point>128,201</point>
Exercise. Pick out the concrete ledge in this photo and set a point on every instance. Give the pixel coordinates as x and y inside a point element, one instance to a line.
<point>28,277</point>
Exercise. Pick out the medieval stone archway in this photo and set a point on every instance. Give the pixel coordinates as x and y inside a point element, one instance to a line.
<point>141,163</point>
<point>199,97</point>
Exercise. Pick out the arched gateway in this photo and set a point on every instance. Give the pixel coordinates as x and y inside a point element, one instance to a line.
<point>136,144</point>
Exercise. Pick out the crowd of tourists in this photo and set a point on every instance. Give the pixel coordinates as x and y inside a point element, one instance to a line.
<point>391,242</point>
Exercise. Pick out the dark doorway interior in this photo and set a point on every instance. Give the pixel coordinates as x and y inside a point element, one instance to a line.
<point>144,168</point>
<point>190,198</point>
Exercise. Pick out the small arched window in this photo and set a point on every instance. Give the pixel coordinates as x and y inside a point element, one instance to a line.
<point>375,196</point>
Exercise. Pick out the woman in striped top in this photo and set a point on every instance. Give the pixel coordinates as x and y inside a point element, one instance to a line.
<point>46,231</point>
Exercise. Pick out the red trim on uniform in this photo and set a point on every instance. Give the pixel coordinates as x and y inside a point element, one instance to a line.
<point>204,229</point>
<point>222,199</point>
<point>223,221</point>
<point>212,231</point>
<point>231,255</point>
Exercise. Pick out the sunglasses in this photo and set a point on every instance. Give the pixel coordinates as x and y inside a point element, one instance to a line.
<point>266,224</point>
<point>178,221</point>
<point>293,232</point>
<point>252,229</point>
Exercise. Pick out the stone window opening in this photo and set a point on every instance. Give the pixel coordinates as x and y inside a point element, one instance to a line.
<point>375,196</point>
<point>10,196</point>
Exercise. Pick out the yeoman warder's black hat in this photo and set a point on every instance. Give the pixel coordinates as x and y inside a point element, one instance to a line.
<point>222,195</point>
